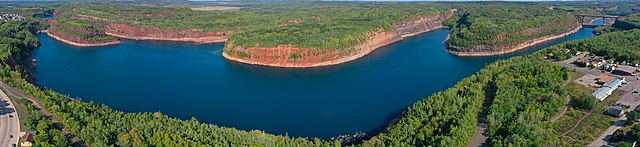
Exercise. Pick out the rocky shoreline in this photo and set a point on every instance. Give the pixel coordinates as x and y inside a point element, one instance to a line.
<point>151,33</point>
<point>81,44</point>
<point>516,47</point>
<point>281,56</point>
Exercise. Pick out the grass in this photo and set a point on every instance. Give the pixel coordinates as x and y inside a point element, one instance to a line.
<point>596,121</point>
<point>575,75</point>
<point>20,109</point>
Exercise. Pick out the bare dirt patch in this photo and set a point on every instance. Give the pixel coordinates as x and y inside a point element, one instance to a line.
<point>216,8</point>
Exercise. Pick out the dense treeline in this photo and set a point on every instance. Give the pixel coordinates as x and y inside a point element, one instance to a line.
<point>524,92</point>
<point>628,22</point>
<point>47,133</point>
<point>446,118</point>
<point>620,45</point>
<point>86,31</point>
<point>489,25</point>
<point>309,25</point>
<point>98,125</point>
<point>528,93</point>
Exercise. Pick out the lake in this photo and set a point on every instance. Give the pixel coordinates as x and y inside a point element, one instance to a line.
<point>187,80</point>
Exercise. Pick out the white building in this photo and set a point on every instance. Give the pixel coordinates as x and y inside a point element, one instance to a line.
<point>608,88</point>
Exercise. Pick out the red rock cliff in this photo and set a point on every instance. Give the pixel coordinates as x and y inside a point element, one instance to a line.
<point>570,26</point>
<point>151,33</point>
<point>291,56</point>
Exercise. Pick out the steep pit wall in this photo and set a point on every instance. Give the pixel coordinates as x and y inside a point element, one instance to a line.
<point>291,56</point>
<point>151,33</point>
<point>74,40</point>
<point>491,50</point>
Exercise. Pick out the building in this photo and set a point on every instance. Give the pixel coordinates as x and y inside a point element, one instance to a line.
<point>602,79</point>
<point>27,139</point>
<point>615,83</point>
<point>626,70</point>
<point>602,93</point>
<point>608,88</point>
<point>615,111</point>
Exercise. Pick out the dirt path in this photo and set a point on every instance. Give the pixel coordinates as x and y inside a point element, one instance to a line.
<point>576,125</point>
<point>18,93</point>
<point>566,107</point>
<point>480,138</point>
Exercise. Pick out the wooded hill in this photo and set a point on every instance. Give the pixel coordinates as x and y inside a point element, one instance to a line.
<point>482,28</point>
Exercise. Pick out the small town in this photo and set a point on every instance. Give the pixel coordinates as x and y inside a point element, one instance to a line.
<point>611,79</point>
<point>11,17</point>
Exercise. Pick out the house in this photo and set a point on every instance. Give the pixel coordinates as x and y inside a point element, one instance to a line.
<point>597,63</point>
<point>626,70</point>
<point>27,139</point>
<point>610,67</point>
<point>615,111</point>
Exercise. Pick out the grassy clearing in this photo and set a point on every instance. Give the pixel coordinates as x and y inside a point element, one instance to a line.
<point>590,128</point>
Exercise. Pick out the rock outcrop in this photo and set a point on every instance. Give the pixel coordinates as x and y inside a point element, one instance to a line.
<point>151,33</point>
<point>290,56</point>
<point>571,26</point>
<point>75,40</point>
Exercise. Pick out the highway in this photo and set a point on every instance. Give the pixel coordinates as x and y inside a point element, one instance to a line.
<point>9,126</point>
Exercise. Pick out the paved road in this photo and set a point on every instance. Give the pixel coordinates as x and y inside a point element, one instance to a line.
<point>629,98</point>
<point>9,126</point>
<point>18,93</point>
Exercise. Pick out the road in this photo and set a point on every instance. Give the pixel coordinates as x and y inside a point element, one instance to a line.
<point>628,98</point>
<point>9,126</point>
<point>18,94</point>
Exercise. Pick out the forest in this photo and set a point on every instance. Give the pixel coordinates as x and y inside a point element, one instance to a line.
<point>619,45</point>
<point>445,118</point>
<point>324,25</point>
<point>522,93</point>
<point>486,26</point>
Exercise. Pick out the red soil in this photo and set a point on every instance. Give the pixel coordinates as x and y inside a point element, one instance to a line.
<point>151,33</point>
<point>75,40</point>
<point>291,56</point>
<point>490,50</point>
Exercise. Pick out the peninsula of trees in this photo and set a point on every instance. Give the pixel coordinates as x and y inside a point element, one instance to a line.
<point>523,94</point>
<point>315,33</point>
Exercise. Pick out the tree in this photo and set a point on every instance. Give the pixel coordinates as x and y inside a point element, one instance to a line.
<point>583,101</point>
<point>618,135</point>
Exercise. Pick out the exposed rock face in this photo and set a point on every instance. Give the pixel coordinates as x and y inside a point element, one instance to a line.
<point>291,56</point>
<point>570,27</point>
<point>150,33</point>
<point>74,40</point>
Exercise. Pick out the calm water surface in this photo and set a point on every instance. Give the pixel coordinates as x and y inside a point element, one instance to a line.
<point>193,80</point>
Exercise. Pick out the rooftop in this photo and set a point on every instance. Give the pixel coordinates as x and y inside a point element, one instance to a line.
<point>614,83</point>
<point>605,78</point>
<point>627,69</point>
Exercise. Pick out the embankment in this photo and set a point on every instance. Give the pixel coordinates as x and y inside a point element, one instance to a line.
<point>491,50</point>
<point>74,40</point>
<point>81,44</point>
<point>151,33</point>
<point>291,56</point>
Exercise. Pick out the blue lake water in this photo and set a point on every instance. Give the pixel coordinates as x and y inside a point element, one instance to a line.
<point>187,80</point>
<point>600,21</point>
